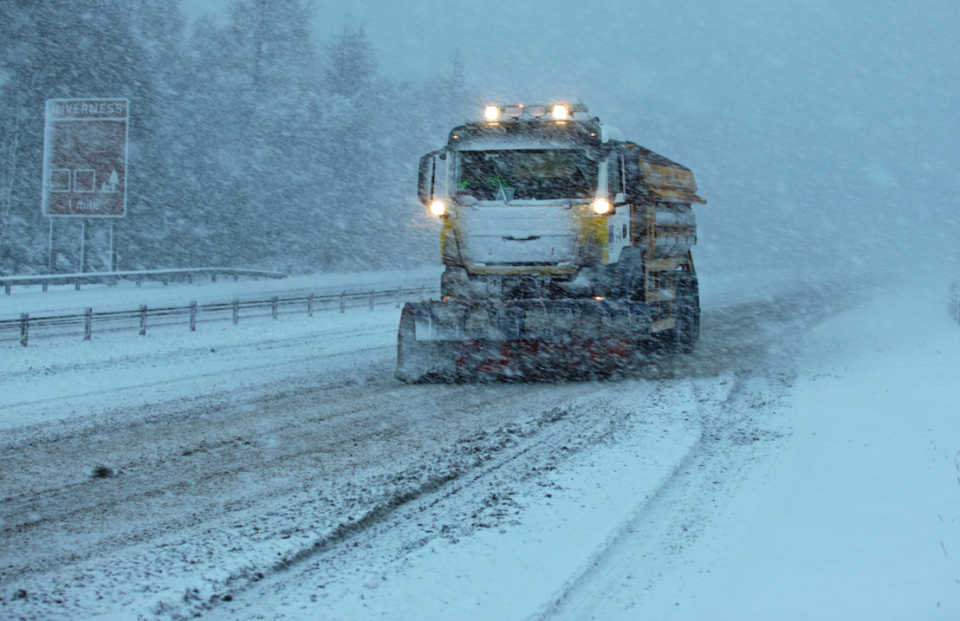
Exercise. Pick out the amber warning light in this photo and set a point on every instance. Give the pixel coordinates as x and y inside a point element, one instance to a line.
<point>558,112</point>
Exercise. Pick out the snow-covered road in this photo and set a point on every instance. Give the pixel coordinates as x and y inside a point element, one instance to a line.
<point>276,469</point>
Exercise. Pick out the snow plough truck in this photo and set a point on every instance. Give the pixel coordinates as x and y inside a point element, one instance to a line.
<point>567,248</point>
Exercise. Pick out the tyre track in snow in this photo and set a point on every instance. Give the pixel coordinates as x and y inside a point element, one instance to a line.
<point>739,427</point>
<point>618,580</point>
<point>218,481</point>
<point>53,478</point>
<point>476,496</point>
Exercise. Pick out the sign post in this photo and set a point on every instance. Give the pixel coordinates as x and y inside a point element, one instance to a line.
<point>85,162</point>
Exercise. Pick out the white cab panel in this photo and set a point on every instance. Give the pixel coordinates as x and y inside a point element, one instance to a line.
<point>518,234</point>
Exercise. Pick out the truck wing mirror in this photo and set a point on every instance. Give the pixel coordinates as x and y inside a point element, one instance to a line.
<point>428,177</point>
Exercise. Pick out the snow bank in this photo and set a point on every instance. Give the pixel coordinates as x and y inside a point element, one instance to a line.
<point>859,518</point>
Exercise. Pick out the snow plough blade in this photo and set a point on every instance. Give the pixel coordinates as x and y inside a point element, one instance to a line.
<point>446,341</point>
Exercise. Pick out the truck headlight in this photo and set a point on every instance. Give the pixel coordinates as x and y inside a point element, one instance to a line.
<point>601,207</point>
<point>438,209</point>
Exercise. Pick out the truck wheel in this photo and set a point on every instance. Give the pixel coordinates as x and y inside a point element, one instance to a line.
<point>454,283</point>
<point>421,361</point>
<point>623,279</point>
<point>686,333</point>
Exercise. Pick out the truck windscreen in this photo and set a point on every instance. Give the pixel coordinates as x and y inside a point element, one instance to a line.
<point>526,174</point>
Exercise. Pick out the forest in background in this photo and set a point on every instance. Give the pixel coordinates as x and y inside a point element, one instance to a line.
<point>277,134</point>
<point>251,144</point>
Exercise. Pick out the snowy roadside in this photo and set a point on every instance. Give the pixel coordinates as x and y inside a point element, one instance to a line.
<point>858,516</point>
<point>60,379</point>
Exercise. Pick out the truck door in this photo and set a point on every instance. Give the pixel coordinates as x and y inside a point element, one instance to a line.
<point>619,223</point>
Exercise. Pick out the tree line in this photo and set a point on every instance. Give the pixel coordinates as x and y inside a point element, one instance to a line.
<point>251,144</point>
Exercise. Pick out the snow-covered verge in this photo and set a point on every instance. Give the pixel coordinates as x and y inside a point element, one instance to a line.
<point>857,515</point>
<point>59,377</point>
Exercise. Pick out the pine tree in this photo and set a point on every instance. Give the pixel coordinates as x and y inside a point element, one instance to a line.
<point>355,125</point>
<point>435,107</point>
<point>351,63</point>
<point>271,101</point>
<point>206,139</point>
<point>155,232</point>
<point>16,51</point>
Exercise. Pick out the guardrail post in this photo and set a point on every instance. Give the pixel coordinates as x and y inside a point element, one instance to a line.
<point>193,316</point>
<point>399,289</point>
<point>87,324</point>
<point>213,277</point>
<point>343,301</point>
<point>143,320</point>
<point>236,310</point>
<point>138,282</point>
<point>310,305</point>
<point>273,306</point>
<point>371,299</point>
<point>6,288</point>
<point>24,328</point>
<point>165,279</point>
<point>45,286</point>
<point>77,286</point>
<point>421,292</point>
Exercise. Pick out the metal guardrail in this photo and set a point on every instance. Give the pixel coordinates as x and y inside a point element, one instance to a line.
<point>138,276</point>
<point>173,314</point>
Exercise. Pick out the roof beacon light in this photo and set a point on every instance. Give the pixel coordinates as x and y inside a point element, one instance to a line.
<point>561,112</point>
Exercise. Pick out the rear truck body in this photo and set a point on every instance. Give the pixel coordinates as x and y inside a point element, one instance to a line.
<point>566,247</point>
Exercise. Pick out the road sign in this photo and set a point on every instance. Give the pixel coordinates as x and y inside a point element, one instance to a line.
<point>85,158</point>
